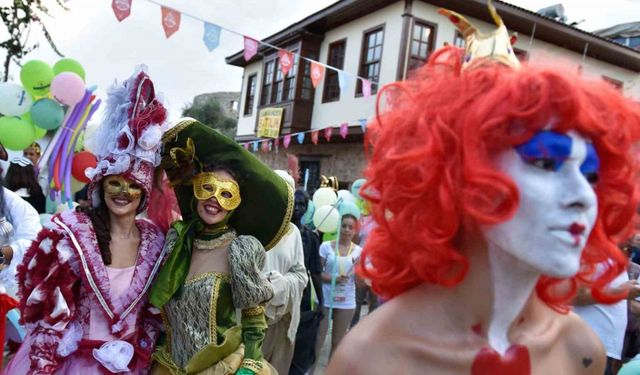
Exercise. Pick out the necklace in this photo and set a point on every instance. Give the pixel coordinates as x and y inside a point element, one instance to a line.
<point>216,243</point>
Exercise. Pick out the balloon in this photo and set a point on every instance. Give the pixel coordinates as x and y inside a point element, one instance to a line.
<point>47,114</point>
<point>36,77</point>
<point>355,187</point>
<point>307,218</point>
<point>346,196</point>
<point>39,133</point>
<point>81,161</point>
<point>630,368</point>
<point>349,208</point>
<point>68,88</point>
<point>68,65</point>
<point>14,99</point>
<point>326,219</point>
<point>324,196</point>
<point>15,133</point>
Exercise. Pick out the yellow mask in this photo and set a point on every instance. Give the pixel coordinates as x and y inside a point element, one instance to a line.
<point>116,185</point>
<point>208,184</point>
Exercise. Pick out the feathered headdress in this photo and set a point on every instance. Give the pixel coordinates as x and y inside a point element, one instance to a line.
<point>128,140</point>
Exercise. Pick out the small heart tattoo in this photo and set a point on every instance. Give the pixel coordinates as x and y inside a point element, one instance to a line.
<point>586,362</point>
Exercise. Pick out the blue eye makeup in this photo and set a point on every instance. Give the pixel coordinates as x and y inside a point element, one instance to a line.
<point>547,150</point>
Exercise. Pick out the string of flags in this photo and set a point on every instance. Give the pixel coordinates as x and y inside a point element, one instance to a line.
<point>171,19</point>
<point>268,144</point>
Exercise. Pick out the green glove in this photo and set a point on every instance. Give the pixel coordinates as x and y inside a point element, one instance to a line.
<point>244,371</point>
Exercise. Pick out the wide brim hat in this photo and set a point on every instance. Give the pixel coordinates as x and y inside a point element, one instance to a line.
<point>267,200</point>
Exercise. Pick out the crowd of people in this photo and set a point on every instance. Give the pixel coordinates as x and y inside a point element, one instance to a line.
<point>497,237</point>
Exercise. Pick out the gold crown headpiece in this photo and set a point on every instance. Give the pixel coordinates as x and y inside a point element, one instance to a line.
<point>36,147</point>
<point>330,182</point>
<point>479,48</point>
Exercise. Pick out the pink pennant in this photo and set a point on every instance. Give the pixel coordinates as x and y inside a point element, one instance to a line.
<point>286,61</point>
<point>276,142</point>
<point>170,21</point>
<point>314,137</point>
<point>286,141</point>
<point>246,146</point>
<point>250,48</point>
<point>328,132</point>
<point>344,130</point>
<point>264,146</point>
<point>366,88</point>
<point>317,73</point>
<point>121,8</point>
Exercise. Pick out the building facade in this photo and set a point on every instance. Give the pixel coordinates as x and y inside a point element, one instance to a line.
<point>382,40</point>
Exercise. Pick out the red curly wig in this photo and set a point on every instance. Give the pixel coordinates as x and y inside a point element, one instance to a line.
<point>430,175</point>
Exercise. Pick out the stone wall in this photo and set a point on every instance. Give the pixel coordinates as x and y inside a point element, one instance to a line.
<point>343,160</point>
<point>226,100</point>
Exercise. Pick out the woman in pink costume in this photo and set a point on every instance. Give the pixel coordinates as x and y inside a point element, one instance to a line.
<point>84,281</point>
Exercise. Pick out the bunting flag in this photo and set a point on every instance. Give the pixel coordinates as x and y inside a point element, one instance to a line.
<point>314,137</point>
<point>276,143</point>
<point>344,130</point>
<point>286,61</point>
<point>366,88</point>
<point>170,21</point>
<point>286,140</point>
<point>300,138</point>
<point>246,146</point>
<point>250,48</point>
<point>327,133</point>
<point>363,124</point>
<point>265,146</point>
<point>211,36</point>
<point>343,80</point>
<point>317,73</point>
<point>121,8</point>
<point>255,146</point>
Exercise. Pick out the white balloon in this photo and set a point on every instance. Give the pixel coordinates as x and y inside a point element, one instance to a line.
<point>326,219</point>
<point>14,100</point>
<point>324,196</point>
<point>346,196</point>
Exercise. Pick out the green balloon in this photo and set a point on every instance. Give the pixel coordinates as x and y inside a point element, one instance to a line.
<point>36,77</point>
<point>80,143</point>
<point>15,133</point>
<point>39,132</point>
<point>68,65</point>
<point>47,114</point>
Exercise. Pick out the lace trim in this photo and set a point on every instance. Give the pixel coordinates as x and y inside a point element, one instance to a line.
<point>216,243</point>
<point>252,364</point>
<point>215,293</point>
<point>253,311</point>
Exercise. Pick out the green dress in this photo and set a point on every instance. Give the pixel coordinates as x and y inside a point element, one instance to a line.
<point>201,324</point>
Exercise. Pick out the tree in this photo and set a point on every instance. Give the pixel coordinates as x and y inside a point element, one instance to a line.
<point>209,112</point>
<point>18,19</point>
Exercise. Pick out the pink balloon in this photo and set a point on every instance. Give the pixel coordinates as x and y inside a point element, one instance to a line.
<point>67,88</point>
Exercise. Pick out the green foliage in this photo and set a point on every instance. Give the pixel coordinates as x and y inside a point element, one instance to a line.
<point>209,112</point>
<point>18,19</point>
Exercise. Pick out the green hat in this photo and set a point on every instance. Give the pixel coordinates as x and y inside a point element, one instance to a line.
<point>267,200</point>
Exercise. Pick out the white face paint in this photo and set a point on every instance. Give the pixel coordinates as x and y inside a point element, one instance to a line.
<point>558,205</point>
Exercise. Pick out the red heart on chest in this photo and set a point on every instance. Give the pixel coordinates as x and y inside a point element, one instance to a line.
<point>515,361</point>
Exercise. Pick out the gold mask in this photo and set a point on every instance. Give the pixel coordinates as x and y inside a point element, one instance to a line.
<point>116,185</point>
<point>208,184</point>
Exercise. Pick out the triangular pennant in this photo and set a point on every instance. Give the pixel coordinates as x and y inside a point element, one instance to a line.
<point>314,137</point>
<point>246,146</point>
<point>317,73</point>
<point>343,80</point>
<point>211,36</point>
<point>300,138</point>
<point>328,132</point>
<point>363,124</point>
<point>255,146</point>
<point>366,88</point>
<point>121,8</point>
<point>286,141</point>
<point>170,21</point>
<point>286,61</point>
<point>265,146</point>
<point>250,48</point>
<point>276,142</point>
<point>344,130</point>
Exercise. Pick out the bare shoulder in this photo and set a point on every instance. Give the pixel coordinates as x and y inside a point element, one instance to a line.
<point>580,340</point>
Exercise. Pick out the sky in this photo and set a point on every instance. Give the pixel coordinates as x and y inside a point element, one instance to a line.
<point>181,66</point>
